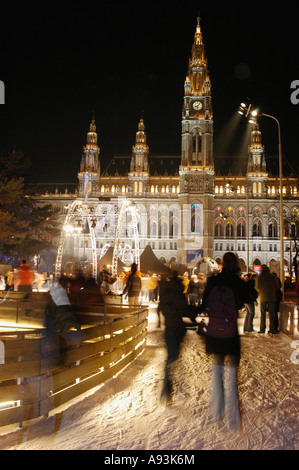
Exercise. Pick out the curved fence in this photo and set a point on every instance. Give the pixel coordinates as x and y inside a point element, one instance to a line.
<point>40,371</point>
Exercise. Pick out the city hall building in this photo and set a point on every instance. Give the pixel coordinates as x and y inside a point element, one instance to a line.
<point>183,207</point>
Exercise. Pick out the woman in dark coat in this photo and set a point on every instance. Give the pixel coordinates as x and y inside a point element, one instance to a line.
<point>249,304</point>
<point>173,305</point>
<point>222,347</point>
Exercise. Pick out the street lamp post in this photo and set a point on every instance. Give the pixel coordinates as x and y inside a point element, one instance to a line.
<point>281,204</point>
<point>245,109</point>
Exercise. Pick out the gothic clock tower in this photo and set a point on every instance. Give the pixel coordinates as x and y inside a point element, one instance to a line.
<point>197,165</point>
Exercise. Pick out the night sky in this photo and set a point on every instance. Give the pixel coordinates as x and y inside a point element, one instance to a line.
<point>60,64</point>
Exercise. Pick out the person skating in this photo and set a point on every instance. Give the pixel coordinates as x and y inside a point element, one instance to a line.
<point>220,343</point>
<point>173,305</point>
<point>133,286</point>
<point>266,287</point>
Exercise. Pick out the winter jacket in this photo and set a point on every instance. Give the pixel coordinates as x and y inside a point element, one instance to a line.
<point>266,286</point>
<point>226,346</point>
<point>24,276</point>
<point>252,292</point>
<point>232,280</point>
<point>193,288</point>
<point>133,285</point>
<point>173,305</point>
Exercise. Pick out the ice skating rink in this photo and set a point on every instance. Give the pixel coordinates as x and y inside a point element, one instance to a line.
<point>126,412</point>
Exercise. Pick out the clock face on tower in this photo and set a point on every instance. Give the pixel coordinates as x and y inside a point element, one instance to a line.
<point>197,105</point>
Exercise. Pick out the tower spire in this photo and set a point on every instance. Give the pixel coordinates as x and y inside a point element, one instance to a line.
<point>198,34</point>
<point>256,159</point>
<point>139,168</point>
<point>90,164</point>
<point>139,161</point>
<point>197,110</point>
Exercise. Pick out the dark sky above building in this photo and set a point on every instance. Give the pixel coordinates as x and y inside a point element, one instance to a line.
<point>62,63</point>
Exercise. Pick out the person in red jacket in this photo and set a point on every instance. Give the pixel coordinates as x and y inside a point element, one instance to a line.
<point>24,278</point>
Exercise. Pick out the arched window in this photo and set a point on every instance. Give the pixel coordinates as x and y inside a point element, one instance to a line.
<point>286,230</point>
<point>154,229</point>
<point>272,232</point>
<point>257,228</point>
<point>229,229</point>
<point>196,147</point>
<point>163,223</point>
<point>195,218</point>
<point>218,228</point>
<point>241,229</point>
<point>294,230</point>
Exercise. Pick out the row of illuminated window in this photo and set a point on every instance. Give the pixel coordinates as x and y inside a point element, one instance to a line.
<point>165,189</point>
<point>139,188</point>
<point>242,247</point>
<point>165,245</point>
<point>229,231</point>
<point>256,190</point>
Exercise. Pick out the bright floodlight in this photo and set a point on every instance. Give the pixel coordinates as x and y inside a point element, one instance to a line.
<point>254,113</point>
<point>243,105</point>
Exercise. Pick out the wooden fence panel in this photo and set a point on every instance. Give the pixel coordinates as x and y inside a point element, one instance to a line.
<point>41,372</point>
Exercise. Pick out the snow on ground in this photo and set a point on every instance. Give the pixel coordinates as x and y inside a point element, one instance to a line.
<point>126,413</point>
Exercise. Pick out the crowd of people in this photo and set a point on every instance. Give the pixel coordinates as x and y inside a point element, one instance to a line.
<point>138,287</point>
<point>23,279</point>
<point>222,296</point>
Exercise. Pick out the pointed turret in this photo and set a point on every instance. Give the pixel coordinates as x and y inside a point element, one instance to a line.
<point>139,168</point>
<point>90,158</point>
<point>198,80</point>
<point>139,160</point>
<point>257,175</point>
<point>256,152</point>
<point>90,164</point>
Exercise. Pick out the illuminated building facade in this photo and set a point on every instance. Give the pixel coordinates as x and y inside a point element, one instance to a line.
<point>185,208</point>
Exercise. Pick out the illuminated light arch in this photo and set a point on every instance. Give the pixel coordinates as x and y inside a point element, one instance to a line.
<point>127,206</point>
<point>79,211</point>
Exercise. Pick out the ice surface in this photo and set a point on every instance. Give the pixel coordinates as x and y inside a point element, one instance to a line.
<point>126,412</point>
